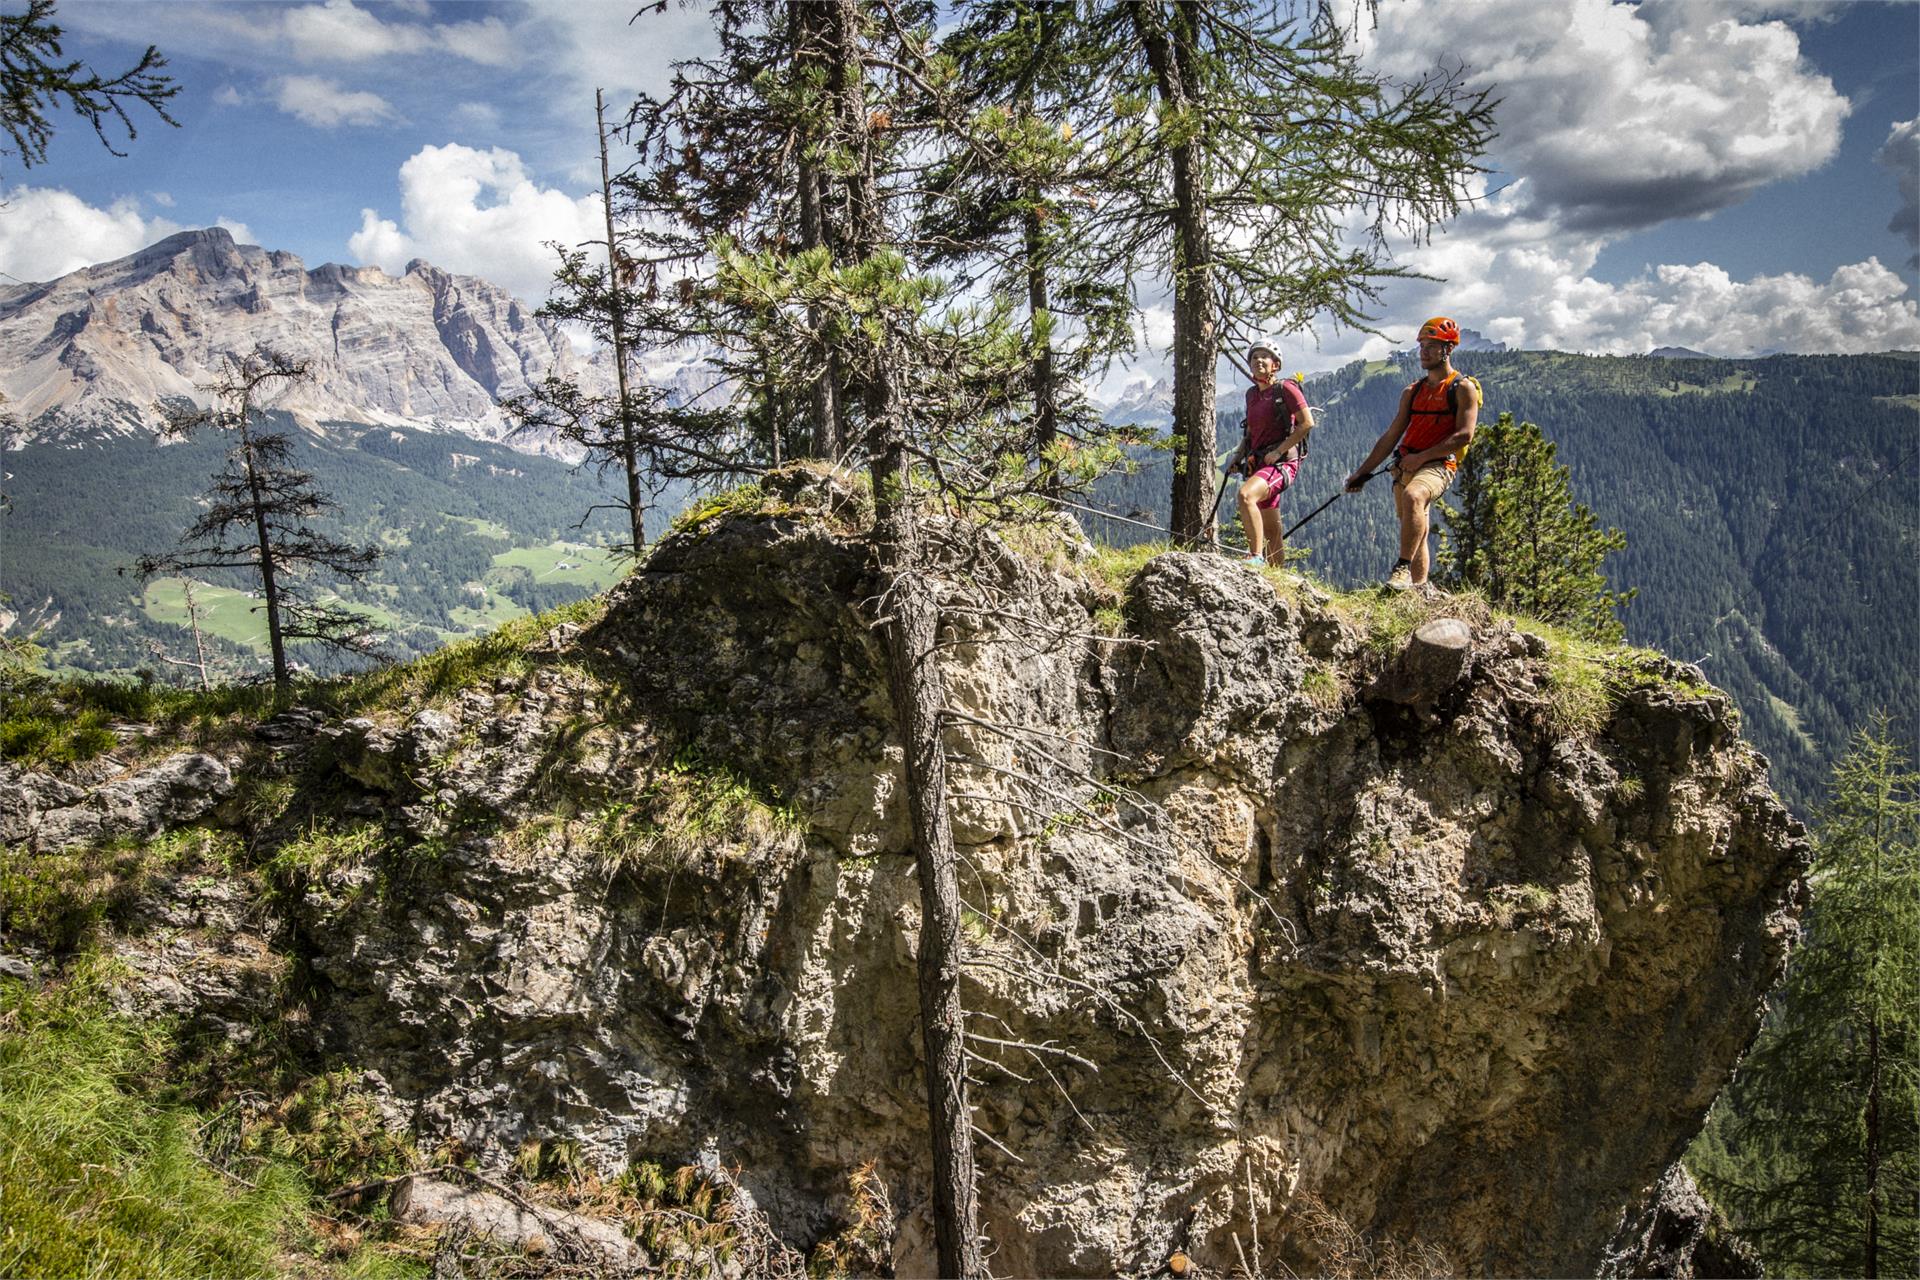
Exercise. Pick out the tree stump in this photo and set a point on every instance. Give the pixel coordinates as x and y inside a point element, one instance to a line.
<point>1433,661</point>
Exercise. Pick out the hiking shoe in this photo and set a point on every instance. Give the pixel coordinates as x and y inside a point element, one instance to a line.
<point>1255,561</point>
<point>1401,578</point>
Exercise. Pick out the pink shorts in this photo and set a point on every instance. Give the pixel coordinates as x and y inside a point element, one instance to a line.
<point>1279,478</point>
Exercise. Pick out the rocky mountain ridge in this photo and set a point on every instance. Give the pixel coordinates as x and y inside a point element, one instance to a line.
<point>1272,921</point>
<point>96,348</point>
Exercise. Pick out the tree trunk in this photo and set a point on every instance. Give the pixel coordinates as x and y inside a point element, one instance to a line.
<point>1171,51</point>
<point>1046,425</point>
<point>269,589</point>
<point>829,425</point>
<point>629,448</point>
<point>1872,1268</point>
<point>193,621</point>
<point>918,696</point>
<point>1877,896</point>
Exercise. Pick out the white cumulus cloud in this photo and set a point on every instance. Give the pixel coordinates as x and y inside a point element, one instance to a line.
<point>1615,117</point>
<point>1622,116</point>
<point>615,48</point>
<point>46,232</point>
<point>326,105</point>
<point>240,231</point>
<point>341,31</point>
<point>488,42</point>
<point>477,213</point>
<point>1540,294</point>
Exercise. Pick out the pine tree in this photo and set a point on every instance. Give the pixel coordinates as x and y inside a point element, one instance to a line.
<point>1014,195</point>
<point>1514,533</point>
<point>267,501</point>
<point>1814,1151</point>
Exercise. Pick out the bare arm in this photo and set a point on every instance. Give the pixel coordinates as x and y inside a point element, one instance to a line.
<point>1388,439</point>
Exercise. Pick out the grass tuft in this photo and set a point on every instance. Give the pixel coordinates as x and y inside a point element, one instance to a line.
<point>444,672</point>
<point>687,811</point>
<point>742,500</point>
<point>1114,567</point>
<point>40,731</point>
<point>60,901</point>
<point>98,1180</point>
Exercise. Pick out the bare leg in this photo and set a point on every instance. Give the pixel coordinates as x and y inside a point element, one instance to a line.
<point>1276,533</point>
<point>1252,493</point>
<point>1413,531</point>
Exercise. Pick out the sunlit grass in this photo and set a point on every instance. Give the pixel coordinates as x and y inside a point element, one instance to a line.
<point>97,1178</point>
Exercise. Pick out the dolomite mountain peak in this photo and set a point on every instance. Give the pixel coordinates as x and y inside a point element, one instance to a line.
<point>95,349</point>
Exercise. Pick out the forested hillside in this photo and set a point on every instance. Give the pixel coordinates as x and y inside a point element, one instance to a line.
<point>471,534</point>
<point>1768,506</point>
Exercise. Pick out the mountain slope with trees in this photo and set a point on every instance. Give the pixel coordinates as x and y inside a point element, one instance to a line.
<point>472,534</point>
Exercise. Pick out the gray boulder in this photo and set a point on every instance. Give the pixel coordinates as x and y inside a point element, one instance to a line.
<point>178,790</point>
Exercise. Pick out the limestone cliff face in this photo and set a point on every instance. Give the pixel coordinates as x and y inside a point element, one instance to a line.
<point>98,347</point>
<point>1441,968</point>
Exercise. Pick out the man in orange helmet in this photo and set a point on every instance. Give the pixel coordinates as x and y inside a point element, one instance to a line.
<point>1432,428</point>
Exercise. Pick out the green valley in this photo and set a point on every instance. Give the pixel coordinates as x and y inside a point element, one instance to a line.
<point>472,534</point>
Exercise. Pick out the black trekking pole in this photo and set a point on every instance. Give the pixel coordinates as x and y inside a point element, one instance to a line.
<point>1213,522</point>
<point>1339,494</point>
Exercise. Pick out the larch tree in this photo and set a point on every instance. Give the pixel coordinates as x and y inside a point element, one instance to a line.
<point>258,517</point>
<point>1814,1150</point>
<point>36,79</point>
<point>1514,533</point>
<point>1271,171</point>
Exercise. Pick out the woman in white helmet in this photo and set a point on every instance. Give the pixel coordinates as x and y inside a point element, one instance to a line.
<point>1277,424</point>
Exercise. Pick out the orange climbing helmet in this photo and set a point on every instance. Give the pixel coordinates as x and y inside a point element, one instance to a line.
<point>1442,328</point>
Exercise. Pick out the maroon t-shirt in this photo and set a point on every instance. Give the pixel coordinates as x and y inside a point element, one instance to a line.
<point>1273,414</point>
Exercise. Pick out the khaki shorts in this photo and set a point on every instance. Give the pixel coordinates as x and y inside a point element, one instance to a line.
<point>1429,482</point>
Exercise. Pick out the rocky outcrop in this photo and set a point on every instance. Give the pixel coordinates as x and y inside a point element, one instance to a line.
<point>1248,935</point>
<point>45,813</point>
<point>1675,1233</point>
<point>1273,922</point>
<point>601,1246</point>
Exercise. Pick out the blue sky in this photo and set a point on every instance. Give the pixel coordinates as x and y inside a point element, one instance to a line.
<point>1720,174</point>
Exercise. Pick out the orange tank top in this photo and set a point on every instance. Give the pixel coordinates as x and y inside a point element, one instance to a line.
<point>1432,416</point>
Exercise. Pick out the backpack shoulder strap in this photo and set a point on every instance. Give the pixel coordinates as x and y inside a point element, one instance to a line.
<point>1453,391</point>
